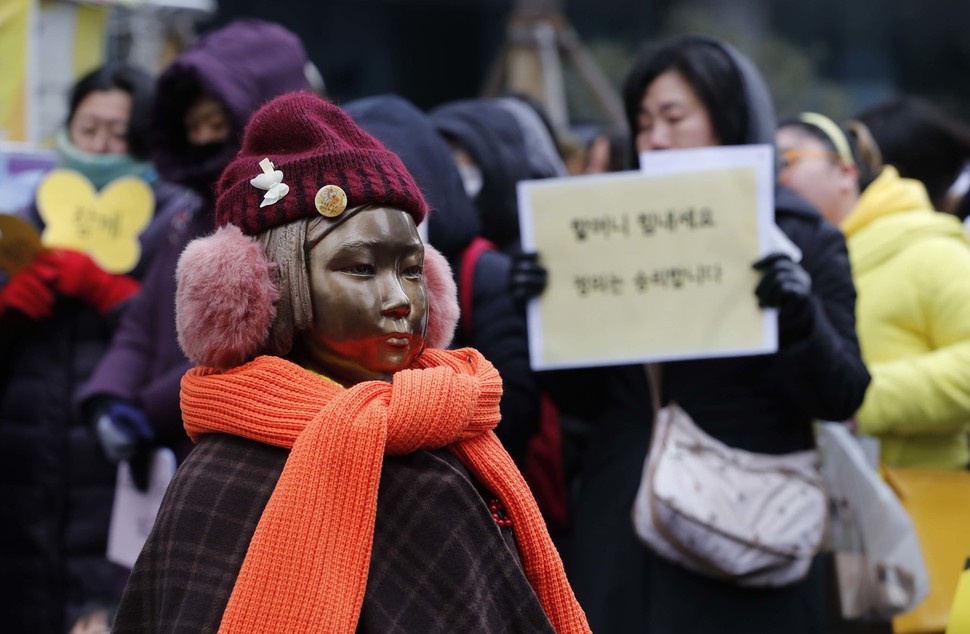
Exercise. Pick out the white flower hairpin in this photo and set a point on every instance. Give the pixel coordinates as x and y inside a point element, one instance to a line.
<point>272,181</point>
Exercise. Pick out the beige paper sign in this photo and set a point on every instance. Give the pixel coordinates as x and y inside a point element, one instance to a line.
<point>104,225</point>
<point>647,267</point>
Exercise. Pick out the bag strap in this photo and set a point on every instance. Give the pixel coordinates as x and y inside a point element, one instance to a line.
<point>655,381</point>
<point>469,261</point>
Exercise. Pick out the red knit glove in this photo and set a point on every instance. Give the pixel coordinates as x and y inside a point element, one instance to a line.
<point>30,290</point>
<point>80,277</point>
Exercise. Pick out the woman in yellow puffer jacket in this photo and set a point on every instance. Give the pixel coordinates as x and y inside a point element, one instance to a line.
<point>911,267</point>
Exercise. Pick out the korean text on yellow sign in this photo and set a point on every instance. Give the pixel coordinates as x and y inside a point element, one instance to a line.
<point>652,266</point>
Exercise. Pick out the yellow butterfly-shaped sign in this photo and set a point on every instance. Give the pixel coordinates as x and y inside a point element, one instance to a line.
<point>105,226</point>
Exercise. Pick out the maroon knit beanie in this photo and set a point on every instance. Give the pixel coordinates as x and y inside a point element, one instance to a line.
<point>314,144</point>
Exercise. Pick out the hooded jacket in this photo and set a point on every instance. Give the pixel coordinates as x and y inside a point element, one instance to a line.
<point>764,403</point>
<point>498,328</point>
<point>768,403</point>
<point>492,132</point>
<point>912,269</point>
<point>243,65</point>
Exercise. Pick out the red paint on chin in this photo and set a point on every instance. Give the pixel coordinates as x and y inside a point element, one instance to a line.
<point>397,347</point>
<point>395,351</point>
<point>369,358</point>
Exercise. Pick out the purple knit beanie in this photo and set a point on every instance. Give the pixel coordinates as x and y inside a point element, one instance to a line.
<point>303,157</point>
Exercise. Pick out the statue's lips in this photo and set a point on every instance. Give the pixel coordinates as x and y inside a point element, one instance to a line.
<point>398,339</point>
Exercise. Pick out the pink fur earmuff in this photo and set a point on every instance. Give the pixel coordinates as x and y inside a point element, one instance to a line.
<point>226,294</point>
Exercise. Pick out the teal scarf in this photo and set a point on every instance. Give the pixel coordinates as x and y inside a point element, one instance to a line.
<point>101,169</point>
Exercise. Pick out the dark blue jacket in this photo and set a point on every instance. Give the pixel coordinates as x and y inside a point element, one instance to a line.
<point>493,138</point>
<point>498,328</point>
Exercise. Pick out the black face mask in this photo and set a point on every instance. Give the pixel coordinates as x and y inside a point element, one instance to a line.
<point>201,154</point>
<point>202,165</point>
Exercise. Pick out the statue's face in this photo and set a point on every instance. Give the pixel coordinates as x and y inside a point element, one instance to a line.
<point>370,310</point>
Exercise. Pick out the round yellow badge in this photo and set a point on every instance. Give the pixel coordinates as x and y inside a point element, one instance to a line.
<point>331,201</point>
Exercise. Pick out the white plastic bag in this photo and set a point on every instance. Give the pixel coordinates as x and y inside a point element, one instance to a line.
<point>133,512</point>
<point>878,560</point>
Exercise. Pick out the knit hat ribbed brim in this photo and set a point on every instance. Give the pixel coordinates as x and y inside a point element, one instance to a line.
<point>313,143</point>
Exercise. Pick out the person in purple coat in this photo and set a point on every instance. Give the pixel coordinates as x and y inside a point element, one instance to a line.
<point>203,101</point>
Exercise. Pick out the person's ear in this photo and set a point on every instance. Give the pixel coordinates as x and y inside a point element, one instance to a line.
<point>849,178</point>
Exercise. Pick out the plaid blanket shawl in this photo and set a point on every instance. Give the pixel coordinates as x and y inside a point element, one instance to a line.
<point>458,573</point>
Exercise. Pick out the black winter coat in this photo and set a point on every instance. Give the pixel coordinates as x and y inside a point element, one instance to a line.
<point>761,403</point>
<point>497,329</point>
<point>56,484</point>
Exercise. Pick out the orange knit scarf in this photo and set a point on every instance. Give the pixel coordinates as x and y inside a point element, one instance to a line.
<point>306,567</point>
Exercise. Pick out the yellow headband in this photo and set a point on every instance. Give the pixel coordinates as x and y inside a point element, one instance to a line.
<point>832,131</point>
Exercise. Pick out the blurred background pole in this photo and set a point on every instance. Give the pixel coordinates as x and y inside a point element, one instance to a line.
<point>540,47</point>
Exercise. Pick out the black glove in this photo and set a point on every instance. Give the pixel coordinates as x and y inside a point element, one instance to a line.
<point>785,285</point>
<point>527,278</point>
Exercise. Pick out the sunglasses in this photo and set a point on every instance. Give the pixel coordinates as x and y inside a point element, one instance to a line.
<point>793,156</point>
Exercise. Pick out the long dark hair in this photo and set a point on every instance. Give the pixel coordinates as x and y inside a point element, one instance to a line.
<point>709,71</point>
<point>921,141</point>
<point>139,85</point>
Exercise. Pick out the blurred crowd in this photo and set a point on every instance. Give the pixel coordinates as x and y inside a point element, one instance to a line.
<point>874,316</point>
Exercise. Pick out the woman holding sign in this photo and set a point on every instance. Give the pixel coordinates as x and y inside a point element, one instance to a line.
<point>57,315</point>
<point>689,93</point>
